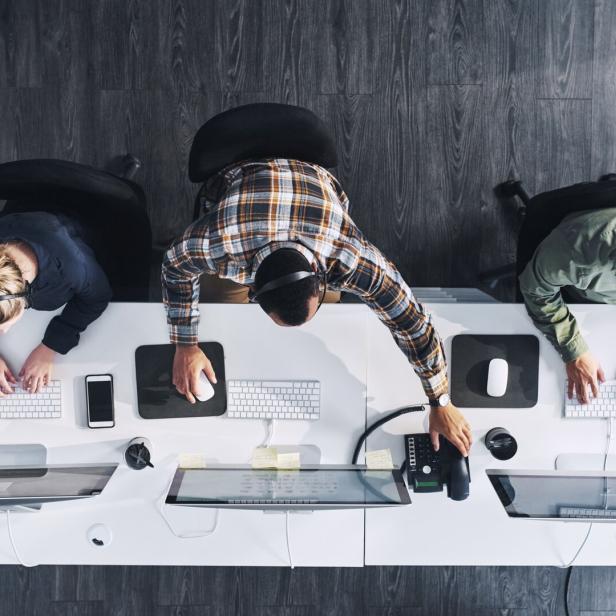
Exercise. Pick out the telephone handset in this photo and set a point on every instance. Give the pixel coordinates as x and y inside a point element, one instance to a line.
<point>429,470</point>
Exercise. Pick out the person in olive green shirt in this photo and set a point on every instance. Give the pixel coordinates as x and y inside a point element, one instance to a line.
<point>580,254</point>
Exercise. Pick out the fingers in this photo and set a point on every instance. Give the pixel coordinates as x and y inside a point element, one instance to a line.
<point>463,441</point>
<point>570,388</point>
<point>5,388</point>
<point>460,444</point>
<point>209,371</point>
<point>182,385</point>
<point>193,386</point>
<point>601,375</point>
<point>434,438</point>
<point>582,392</point>
<point>468,434</point>
<point>9,375</point>
<point>594,387</point>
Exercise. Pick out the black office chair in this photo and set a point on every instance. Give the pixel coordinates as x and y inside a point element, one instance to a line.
<point>253,132</point>
<point>110,211</point>
<point>541,214</point>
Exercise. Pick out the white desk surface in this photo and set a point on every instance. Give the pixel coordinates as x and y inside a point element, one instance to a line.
<point>355,358</point>
<point>333,349</point>
<point>437,531</point>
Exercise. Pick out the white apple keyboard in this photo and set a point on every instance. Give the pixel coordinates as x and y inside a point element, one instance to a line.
<point>21,404</point>
<point>251,399</point>
<point>603,406</point>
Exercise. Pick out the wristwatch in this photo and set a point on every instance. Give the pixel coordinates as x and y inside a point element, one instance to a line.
<point>442,400</point>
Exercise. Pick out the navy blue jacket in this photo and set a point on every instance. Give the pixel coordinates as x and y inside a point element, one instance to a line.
<point>68,274</point>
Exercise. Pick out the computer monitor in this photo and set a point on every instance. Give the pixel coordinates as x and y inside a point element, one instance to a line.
<point>308,488</point>
<point>556,495</point>
<point>31,486</point>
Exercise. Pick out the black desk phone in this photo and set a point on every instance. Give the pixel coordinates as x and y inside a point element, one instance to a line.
<point>429,470</point>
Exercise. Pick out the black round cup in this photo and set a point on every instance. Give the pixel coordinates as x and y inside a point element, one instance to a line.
<point>501,444</point>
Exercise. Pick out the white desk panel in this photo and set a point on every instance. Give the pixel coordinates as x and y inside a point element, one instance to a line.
<point>331,348</point>
<point>437,531</point>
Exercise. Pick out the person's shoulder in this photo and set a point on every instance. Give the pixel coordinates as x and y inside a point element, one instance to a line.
<point>591,219</point>
<point>31,220</point>
<point>588,233</point>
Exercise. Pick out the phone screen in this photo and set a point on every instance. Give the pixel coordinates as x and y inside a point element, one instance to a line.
<point>100,401</point>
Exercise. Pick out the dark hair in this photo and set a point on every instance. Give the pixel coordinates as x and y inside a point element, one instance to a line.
<point>290,302</point>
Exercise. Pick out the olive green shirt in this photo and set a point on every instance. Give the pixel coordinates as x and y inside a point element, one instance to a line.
<point>580,252</point>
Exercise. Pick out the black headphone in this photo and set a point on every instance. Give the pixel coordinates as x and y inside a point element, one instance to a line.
<point>283,281</point>
<point>26,294</point>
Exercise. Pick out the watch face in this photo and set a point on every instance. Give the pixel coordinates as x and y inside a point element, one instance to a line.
<point>443,400</point>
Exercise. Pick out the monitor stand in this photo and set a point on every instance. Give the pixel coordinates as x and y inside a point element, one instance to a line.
<point>584,462</point>
<point>27,454</point>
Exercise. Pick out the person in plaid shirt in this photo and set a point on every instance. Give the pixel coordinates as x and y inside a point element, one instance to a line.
<point>270,220</point>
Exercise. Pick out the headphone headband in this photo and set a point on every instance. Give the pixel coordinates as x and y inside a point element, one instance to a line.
<point>26,293</point>
<point>283,281</point>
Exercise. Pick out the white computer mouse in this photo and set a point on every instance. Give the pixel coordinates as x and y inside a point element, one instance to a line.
<point>205,391</point>
<point>498,373</point>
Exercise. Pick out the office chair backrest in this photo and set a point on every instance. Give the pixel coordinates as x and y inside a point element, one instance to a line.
<point>547,210</point>
<point>111,212</point>
<point>256,131</point>
<point>62,181</point>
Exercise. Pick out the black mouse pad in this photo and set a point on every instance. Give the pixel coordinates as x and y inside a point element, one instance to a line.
<point>158,398</point>
<point>470,358</point>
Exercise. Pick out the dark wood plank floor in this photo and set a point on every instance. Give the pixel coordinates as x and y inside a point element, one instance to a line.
<point>432,102</point>
<point>371,591</point>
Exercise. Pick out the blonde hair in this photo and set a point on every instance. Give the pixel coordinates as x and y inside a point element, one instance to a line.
<point>11,281</point>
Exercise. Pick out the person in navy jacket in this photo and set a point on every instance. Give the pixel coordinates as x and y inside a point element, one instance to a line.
<point>44,264</point>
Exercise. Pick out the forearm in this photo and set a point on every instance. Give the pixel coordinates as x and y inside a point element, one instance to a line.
<point>549,312</point>
<point>181,299</point>
<point>382,288</point>
<point>424,351</point>
<point>64,330</point>
<point>555,321</point>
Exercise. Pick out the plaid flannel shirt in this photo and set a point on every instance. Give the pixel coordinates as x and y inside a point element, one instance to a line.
<point>265,205</point>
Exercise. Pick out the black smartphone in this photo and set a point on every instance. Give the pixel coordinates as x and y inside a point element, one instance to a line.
<point>99,399</point>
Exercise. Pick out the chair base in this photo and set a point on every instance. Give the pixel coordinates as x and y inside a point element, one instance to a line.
<point>124,167</point>
<point>513,188</point>
<point>608,177</point>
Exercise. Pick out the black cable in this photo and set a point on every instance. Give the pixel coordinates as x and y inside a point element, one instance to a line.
<point>380,422</point>
<point>567,580</point>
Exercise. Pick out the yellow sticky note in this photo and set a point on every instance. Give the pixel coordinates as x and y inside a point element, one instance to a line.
<point>192,460</point>
<point>380,459</point>
<point>288,460</point>
<point>264,457</point>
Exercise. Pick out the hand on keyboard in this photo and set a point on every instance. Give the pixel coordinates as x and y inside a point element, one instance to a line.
<point>582,373</point>
<point>6,379</point>
<point>22,404</point>
<point>36,371</point>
